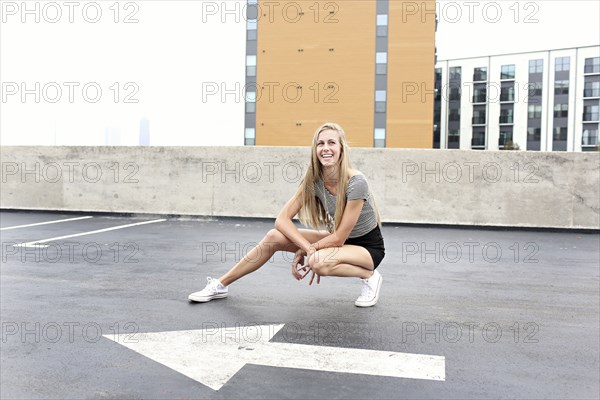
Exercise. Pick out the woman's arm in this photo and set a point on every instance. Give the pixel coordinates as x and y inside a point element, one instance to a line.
<point>336,239</point>
<point>357,193</point>
<point>285,225</point>
<point>349,219</point>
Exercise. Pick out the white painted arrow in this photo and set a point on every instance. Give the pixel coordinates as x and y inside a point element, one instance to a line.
<point>213,356</point>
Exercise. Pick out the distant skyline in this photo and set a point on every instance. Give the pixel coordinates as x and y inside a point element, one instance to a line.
<point>151,67</point>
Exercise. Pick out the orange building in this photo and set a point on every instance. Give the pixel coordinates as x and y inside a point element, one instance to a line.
<point>365,64</point>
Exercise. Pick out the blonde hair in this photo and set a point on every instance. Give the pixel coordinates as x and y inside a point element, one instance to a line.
<point>312,213</point>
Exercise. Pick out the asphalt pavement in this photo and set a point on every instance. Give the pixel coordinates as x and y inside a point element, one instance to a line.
<point>504,314</point>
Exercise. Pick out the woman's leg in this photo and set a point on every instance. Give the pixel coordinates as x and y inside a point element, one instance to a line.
<point>350,260</point>
<point>273,241</point>
<point>345,261</point>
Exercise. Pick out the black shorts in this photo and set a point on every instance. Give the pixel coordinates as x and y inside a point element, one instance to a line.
<point>373,242</point>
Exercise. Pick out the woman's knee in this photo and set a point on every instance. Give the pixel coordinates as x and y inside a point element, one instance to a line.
<point>276,239</point>
<point>318,264</point>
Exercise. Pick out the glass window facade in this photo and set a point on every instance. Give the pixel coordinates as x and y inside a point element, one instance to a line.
<point>480,74</point>
<point>592,65</point>
<point>454,100</point>
<point>562,64</point>
<point>536,66</point>
<point>507,72</point>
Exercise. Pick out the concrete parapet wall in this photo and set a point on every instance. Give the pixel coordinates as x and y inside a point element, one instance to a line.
<point>458,187</point>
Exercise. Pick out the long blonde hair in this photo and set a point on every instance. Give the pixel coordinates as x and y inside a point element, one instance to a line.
<point>313,213</point>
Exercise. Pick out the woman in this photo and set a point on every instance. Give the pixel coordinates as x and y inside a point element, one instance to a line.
<point>334,195</point>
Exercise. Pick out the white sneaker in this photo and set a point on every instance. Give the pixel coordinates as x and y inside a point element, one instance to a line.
<point>370,291</point>
<point>213,290</point>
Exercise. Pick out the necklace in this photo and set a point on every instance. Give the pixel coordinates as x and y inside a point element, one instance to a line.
<point>330,223</point>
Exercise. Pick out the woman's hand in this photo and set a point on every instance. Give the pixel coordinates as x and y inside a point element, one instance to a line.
<point>313,277</point>
<point>308,270</point>
<point>311,250</point>
<point>298,264</point>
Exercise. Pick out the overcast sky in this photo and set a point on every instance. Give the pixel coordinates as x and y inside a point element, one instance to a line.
<point>167,37</point>
<point>508,26</point>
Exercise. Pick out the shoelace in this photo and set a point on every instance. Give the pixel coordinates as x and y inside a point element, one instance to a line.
<point>212,283</point>
<point>366,289</point>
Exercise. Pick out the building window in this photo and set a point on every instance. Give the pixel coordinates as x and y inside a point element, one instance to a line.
<point>454,114</point>
<point>380,101</point>
<point>534,111</point>
<point>454,91</point>
<point>379,136</point>
<point>382,25</point>
<point>478,117</point>
<point>562,63</point>
<point>534,134</point>
<point>507,93</point>
<point>250,136</point>
<point>591,89</point>
<point>534,89</point>
<point>561,110</point>
<point>506,135</point>
<point>455,73</point>
<point>250,102</point>
<point>590,137</point>
<point>480,74</point>
<point>507,72</point>
<point>506,116</point>
<point>381,63</point>
<point>561,87</point>
<point>592,65</point>
<point>438,85</point>
<point>479,94</point>
<point>560,133</point>
<point>478,140</point>
<point>250,65</point>
<point>536,66</point>
<point>591,113</point>
<point>453,136</point>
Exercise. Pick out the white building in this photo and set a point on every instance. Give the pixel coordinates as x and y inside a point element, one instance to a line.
<point>545,100</point>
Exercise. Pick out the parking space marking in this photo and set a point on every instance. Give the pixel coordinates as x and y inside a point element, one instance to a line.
<point>36,243</point>
<point>212,356</point>
<point>44,223</point>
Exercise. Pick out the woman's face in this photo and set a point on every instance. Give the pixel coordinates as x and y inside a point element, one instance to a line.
<point>328,147</point>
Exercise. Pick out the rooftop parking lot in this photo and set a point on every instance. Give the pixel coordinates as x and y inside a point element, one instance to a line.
<point>85,297</point>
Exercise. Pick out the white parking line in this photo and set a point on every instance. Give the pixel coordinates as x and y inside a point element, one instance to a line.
<point>37,242</point>
<point>44,223</point>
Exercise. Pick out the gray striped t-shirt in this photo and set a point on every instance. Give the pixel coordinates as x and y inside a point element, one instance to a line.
<point>358,188</point>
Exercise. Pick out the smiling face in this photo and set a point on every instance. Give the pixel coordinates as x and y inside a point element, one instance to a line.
<point>328,147</point>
